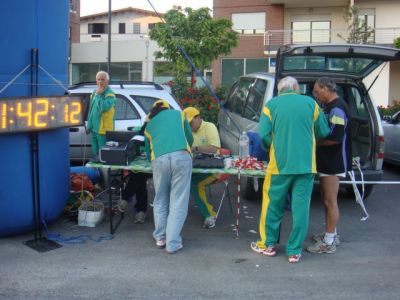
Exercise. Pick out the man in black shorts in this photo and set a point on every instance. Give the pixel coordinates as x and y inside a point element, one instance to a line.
<point>333,161</point>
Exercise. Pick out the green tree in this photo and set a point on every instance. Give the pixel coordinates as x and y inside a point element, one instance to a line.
<point>358,31</point>
<point>195,31</point>
<point>396,42</point>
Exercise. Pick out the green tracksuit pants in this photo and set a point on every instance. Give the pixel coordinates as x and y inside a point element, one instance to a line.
<point>199,193</point>
<point>98,141</point>
<point>275,190</point>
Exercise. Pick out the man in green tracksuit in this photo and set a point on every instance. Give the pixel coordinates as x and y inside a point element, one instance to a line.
<point>101,112</point>
<point>290,124</point>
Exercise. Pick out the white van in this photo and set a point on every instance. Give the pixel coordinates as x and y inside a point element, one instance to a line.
<point>347,64</point>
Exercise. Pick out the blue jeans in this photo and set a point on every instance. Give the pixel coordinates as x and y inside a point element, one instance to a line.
<point>171,177</point>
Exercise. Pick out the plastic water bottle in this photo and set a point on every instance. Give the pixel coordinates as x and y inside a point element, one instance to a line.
<point>243,145</point>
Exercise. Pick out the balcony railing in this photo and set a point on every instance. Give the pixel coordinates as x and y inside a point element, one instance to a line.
<point>103,37</point>
<point>273,39</point>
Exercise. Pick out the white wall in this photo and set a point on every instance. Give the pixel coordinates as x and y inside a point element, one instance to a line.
<point>380,90</point>
<point>394,94</point>
<point>127,17</point>
<point>332,14</point>
<point>121,51</point>
<point>386,12</point>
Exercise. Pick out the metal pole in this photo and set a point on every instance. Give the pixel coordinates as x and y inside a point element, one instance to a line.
<point>147,42</point>
<point>109,39</point>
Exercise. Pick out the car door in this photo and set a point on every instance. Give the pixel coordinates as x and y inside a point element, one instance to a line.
<point>230,121</point>
<point>391,129</point>
<point>254,103</point>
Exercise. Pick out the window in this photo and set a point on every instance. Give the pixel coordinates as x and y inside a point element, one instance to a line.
<point>232,69</point>
<point>357,105</point>
<point>162,72</point>
<point>130,71</point>
<point>256,65</point>
<point>151,25</point>
<point>136,28</point>
<point>146,103</point>
<point>311,32</point>
<point>73,6</point>
<point>366,19</point>
<point>97,28</point>
<point>124,110</point>
<point>344,65</point>
<point>121,28</point>
<point>239,98</point>
<point>255,100</point>
<point>249,23</point>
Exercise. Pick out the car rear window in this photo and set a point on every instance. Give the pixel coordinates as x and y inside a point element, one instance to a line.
<point>145,102</point>
<point>320,63</point>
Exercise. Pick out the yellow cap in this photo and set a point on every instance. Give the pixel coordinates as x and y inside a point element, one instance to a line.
<point>161,103</point>
<point>191,113</point>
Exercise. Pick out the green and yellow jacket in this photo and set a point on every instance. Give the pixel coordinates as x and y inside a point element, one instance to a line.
<point>101,112</point>
<point>167,132</point>
<point>290,123</point>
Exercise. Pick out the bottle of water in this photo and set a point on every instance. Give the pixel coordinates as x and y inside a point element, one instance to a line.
<point>243,145</point>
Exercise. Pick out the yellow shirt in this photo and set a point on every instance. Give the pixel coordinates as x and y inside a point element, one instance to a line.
<point>206,135</point>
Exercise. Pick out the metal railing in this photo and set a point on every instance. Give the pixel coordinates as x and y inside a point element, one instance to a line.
<point>103,37</point>
<point>275,38</point>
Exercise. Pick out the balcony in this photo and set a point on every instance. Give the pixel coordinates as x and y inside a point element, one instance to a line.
<point>115,37</point>
<point>273,39</point>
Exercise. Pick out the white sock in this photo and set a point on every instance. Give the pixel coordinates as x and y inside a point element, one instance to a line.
<point>329,238</point>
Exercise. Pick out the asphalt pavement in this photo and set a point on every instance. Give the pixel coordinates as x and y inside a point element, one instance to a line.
<point>214,263</point>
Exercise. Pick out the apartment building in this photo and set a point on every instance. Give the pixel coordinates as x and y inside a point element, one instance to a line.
<point>74,15</point>
<point>131,49</point>
<point>264,26</point>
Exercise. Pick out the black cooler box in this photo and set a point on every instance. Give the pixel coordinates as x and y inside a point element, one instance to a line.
<point>120,148</point>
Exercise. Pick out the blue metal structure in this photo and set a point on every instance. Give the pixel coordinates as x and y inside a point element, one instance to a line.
<point>44,25</point>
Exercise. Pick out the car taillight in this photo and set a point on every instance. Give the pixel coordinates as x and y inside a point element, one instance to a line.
<point>381,147</point>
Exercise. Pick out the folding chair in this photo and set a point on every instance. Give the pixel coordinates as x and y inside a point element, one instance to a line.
<point>223,178</point>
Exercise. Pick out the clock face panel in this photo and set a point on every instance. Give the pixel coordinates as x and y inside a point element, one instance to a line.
<point>26,114</point>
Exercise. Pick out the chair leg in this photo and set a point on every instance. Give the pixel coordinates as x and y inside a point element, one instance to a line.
<point>229,196</point>
<point>220,203</point>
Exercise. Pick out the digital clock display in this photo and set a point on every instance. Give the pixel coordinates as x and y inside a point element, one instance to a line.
<point>39,113</point>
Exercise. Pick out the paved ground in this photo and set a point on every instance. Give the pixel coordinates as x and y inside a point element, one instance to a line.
<point>214,263</point>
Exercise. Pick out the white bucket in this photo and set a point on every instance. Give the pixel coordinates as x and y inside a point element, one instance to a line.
<point>90,214</point>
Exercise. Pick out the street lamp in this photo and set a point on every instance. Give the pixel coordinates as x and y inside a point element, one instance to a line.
<point>147,43</point>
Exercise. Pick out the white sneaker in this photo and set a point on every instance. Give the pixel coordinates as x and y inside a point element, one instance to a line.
<point>160,244</point>
<point>140,217</point>
<point>209,222</point>
<point>320,236</point>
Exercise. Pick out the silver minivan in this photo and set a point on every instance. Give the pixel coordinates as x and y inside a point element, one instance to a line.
<point>347,64</point>
<point>391,128</point>
<point>133,101</point>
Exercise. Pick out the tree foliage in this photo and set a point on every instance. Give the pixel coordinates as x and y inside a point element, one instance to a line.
<point>195,31</point>
<point>396,42</point>
<point>358,31</point>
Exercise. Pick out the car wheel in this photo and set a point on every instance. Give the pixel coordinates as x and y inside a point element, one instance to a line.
<point>249,192</point>
<point>367,190</point>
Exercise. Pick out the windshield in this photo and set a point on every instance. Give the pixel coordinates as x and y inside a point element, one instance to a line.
<point>330,64</point>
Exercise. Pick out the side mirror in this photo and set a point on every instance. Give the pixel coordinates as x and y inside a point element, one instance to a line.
<point>387,118</point>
